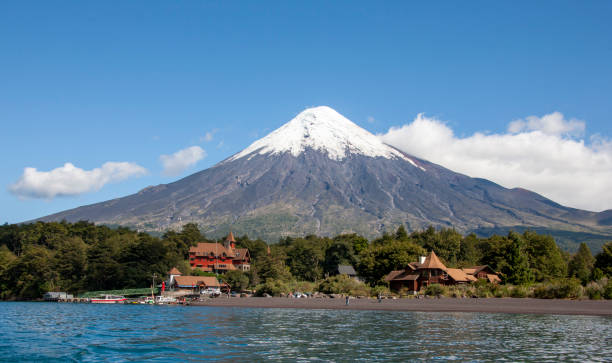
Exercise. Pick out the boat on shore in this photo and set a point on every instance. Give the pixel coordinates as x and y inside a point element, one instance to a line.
<point>109,299</point>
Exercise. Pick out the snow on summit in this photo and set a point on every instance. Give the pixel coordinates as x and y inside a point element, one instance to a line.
<point>325,130</point>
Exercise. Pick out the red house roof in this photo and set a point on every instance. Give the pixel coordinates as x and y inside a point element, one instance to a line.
<point>213,249</point>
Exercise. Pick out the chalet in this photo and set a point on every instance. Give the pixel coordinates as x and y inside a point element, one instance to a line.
<point>179,285</point>
<point>430,270</point>
<point>216,257</point>
<point>483,272</point>
<point>195,283</point>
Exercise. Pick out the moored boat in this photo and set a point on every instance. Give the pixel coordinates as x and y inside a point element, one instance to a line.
<point>108,299</point>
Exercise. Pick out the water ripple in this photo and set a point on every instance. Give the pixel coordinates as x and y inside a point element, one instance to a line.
<point>82,332</point>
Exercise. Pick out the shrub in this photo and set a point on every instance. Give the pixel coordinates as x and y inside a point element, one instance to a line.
<point>381,290</point>
<point>594,291</point>
<point>500,291</point>
<point>519,292</point>
<point>608,290</point>
<point>342,284</point>
<point>435,290</point>
<point>272,287</point>
<point>559,289</point>
<point>302,286</point>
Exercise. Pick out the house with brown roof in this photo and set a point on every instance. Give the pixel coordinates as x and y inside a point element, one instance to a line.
<point>217,257</point>
<point>483,272</point>
<point>179,285</point>
<point>430,270</point>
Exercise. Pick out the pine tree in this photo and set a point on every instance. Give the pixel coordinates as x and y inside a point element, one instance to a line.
<point>581,264</point>
<point>401,233</point>
<point>517,269</point>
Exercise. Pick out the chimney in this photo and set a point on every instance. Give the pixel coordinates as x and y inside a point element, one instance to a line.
<point>422,260</point>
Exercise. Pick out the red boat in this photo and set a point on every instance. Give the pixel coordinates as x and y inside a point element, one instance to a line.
<point>108,299</point>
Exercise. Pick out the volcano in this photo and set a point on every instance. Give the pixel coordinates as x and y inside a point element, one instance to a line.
<point>322,174</point>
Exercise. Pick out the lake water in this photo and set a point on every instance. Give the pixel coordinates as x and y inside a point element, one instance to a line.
<point>83,332</point>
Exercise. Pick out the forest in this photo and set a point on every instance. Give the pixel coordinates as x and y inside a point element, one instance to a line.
<point>78,257</point>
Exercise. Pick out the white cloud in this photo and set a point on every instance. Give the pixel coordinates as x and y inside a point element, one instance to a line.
<point>181,160</point>
<point>371,119</point>
<point>70,180</point>
<point>552,124</point>
<point>209,136</point>
<point>541,154</point>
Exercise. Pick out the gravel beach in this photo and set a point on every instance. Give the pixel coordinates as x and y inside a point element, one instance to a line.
<point>490,305</point>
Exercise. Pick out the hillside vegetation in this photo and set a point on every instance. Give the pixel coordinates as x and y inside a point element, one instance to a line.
<point>78,257</point>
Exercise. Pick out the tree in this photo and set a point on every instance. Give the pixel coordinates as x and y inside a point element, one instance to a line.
<point>71,263</point>
<point>378,260</point>
<point>29,276</point>
<point>545,257</point>
<point>339,253</point>
<point>189,236</point>
<point>359,243</point>
<point>6,257</point>
<point>305,259</point>
<point>446,243</point>
<point>603,260</point>
<point>257,248</point>
<point>469,254</point>
<point>270,267</point>
<point>581,264</point>
<point>401,234</point>
<point>104,272</point>
<point>517,269</point>
<point>237,280</point>
<point>143,259</point>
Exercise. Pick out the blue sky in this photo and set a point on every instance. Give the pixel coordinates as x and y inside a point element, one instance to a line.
<point>88,83</point>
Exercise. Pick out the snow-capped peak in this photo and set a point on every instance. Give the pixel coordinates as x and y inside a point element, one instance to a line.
<point>322,129</point>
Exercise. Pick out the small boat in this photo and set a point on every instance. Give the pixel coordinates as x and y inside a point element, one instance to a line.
<point>108,299</point>
<point>160,300</point>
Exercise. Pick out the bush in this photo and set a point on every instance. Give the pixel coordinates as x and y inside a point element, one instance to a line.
<point>302,286</point>
<point>608,290</point>
<point>500,291</point>
<point>594,291</point>
<point>559,289</point>
<point>519,292</point>
<point>435,290</point>
<point>272,287</point>
<point>381,290</point>
<point>342,284</point>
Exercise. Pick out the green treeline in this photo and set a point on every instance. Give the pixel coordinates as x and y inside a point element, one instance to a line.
<point>77,257</point>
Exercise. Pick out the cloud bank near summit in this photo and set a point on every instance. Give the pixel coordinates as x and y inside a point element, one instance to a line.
<point>545,154</point>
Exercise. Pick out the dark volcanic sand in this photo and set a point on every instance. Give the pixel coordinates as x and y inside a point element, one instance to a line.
<point>490,305</point>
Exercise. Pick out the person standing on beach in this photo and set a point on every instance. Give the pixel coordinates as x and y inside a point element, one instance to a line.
<point>347,300</point>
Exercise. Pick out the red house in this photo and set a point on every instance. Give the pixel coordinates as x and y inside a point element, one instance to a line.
<point>216,257</point>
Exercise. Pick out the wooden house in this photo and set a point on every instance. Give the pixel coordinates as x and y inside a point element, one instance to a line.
<point>430,270</point>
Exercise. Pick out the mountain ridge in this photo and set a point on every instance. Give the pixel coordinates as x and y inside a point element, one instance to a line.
<point>299,180</point>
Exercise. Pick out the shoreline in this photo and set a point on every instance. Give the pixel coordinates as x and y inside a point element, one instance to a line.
<point>481,305</point>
